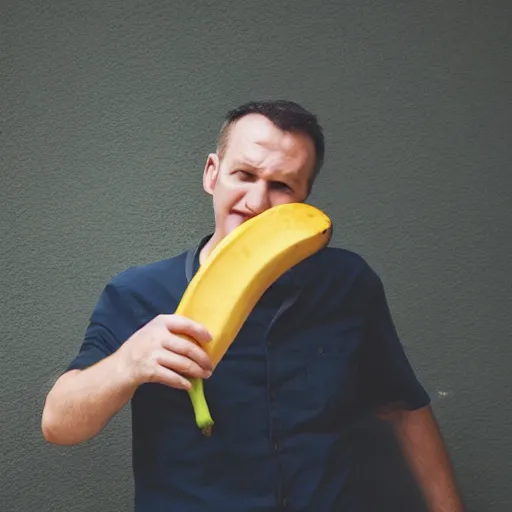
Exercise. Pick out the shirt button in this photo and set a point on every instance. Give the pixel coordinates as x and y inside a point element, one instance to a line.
<point>284,502</point>
<point>277,446</point>
<point>320,349</point>
<point>273,395</point>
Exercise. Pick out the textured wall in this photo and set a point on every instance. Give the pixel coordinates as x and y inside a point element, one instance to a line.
<point>108,111</point>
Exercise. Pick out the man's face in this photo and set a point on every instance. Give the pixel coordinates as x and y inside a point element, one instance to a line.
<point>261,167</point>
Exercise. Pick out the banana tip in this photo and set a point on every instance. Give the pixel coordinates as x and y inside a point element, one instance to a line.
<point>207,430</point>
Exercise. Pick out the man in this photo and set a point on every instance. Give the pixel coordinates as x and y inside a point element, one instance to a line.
<point>318,351</point>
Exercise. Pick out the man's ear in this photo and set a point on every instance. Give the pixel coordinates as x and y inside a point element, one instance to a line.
<point>211,172</point>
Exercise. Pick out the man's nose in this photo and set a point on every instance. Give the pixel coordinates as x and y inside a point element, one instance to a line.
<point>257,198</point>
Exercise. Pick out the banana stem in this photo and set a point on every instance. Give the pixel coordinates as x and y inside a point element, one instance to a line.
<point>202,413</point>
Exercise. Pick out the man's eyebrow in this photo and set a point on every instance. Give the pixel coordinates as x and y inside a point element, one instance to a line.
<point>245,163</point>
<point>281,177</point>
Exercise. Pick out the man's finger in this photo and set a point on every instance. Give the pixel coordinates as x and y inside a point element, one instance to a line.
<point>172,379</point>
<point>181,325</point>
<point>189,349</point>
<point>182,365</point>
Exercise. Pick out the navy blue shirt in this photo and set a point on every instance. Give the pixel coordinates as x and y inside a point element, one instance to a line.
<point>317,353</point>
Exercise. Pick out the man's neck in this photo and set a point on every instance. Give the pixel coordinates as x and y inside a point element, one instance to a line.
<point>208,247</point>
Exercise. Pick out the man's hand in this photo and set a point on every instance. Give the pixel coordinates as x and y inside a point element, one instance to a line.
<point>166,350</point>
<point>160,352</point>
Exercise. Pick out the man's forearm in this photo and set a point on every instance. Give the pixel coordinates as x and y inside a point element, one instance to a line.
<point>423,447</point>
<point>82,402</point>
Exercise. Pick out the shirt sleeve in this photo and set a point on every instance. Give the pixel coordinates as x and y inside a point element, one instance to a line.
<point>111,322</point>
<point>386,376</point>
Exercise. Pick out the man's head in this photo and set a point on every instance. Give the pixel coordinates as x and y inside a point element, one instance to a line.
<point>268,153</point>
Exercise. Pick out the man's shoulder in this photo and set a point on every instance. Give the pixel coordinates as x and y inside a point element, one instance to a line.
<point>157,272</point>
<point>343,256</point>
<point>340,260</point>
<point>339,268</point>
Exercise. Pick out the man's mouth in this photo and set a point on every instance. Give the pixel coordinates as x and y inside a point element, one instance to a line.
<point>244,216</point>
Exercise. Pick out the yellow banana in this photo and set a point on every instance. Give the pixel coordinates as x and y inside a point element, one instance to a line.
<point>237,273</point>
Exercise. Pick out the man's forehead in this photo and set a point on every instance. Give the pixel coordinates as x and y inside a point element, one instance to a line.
<point>260,135</point>
<point>257,129</point>
<point>253,124</point>
<point>253,154</point>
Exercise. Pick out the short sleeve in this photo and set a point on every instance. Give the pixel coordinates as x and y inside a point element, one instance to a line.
<point>386,377</point>
<point>110,324</point>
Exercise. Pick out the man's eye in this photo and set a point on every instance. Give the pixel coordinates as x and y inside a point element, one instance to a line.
<point>244,174</point>
<point>281,186</point>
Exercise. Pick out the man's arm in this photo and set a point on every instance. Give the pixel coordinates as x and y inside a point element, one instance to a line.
<point>82,401</point>
<point>419,436</point>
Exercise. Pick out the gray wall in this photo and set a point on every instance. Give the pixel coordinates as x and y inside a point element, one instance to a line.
<point>108,112</point>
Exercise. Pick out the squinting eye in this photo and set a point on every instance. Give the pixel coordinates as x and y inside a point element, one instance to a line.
<point>282,186</point>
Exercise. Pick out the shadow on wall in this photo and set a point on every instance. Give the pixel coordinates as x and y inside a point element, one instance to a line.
<point>387,484</point>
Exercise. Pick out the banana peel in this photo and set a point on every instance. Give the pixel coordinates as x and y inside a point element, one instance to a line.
<point>238,271</point>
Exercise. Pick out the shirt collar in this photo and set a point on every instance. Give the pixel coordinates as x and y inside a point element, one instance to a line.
<point>192,260</point>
